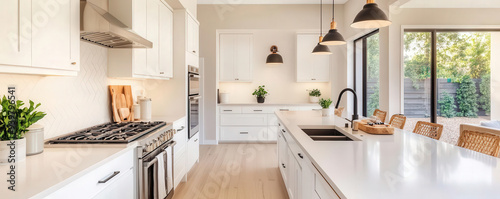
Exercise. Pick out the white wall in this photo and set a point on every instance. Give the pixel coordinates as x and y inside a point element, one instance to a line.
<point>280,80</point>
<point>71,103</point>
<point>287,18</point>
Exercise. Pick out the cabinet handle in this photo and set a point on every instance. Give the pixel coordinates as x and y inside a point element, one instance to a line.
<point>279,124</point>
<point>182,128</point>
<point>109,177</point>
<point>228,110</point>
<point>283,165</point>
<point>283,130</point>
<point>257,110</point>
<point>161,73</point>
<point>196,140</point>
<point>243,132</point>
<point>194,51</point>
<point>236,79</point>
<point>284,109</point>
<point>300,155</point>
<point>73,63</point>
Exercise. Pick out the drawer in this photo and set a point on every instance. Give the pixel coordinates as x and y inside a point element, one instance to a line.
<point>243,119</point>
<point>272,120</point>
<point>181,139</point>
<point>257,109</point>
<point>322,188</point>
<point>122,164</point>
<point>179,152</point>
<point>180,168</point>
<point>230,109</point>
<point>243,133</point>
<point>180,124</point>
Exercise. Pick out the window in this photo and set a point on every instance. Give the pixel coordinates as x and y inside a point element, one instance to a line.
<point>447,78</point>
<point>366,72</point>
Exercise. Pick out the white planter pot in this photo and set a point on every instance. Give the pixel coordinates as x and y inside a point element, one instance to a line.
<point>325,112</point>
<point>34,139</point>
<point>313,99</point>
<point>16,149</point>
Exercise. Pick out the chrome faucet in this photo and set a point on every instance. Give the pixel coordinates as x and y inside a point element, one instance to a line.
<point>355,114</point>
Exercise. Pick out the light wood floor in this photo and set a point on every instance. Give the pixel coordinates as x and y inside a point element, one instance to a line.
<point>234,171</point>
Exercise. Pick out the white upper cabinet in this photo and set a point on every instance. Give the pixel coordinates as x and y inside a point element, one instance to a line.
<point>40,37</point>
<point>311,67</point>
<point>235,57</point>
<point>153,20</point>
<point>193,36</point>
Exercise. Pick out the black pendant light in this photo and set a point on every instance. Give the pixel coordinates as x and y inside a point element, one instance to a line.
<point>333,37</point>
<point>371,17</point>
<point>321,49</point>
<point>274,57</point>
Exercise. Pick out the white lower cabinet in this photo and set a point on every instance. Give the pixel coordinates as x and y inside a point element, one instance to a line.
<point>180,151</point>
<point>301,178</point>
<point>104,182</point>
<point>252,123</point>
<point>193,151</point>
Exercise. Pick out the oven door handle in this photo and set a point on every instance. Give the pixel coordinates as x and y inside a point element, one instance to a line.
<point>194,97</point>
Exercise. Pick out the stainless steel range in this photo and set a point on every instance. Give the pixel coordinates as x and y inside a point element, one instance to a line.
<point>154,151</point>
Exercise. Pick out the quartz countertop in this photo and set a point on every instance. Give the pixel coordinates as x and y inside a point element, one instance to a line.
<point>42,174</point>
<point>403,165</point>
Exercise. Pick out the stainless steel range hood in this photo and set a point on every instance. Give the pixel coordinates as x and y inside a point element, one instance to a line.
<point>100,27</point>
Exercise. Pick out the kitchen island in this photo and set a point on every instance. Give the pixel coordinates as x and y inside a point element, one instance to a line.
<point>403,165</point>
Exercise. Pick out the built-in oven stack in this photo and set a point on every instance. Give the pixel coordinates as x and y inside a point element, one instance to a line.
<point>194,99</point>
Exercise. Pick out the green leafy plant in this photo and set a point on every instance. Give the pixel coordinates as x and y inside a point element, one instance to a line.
<point>373,100</point>
<point>325,103</point>
<point>25,118</point>
<point>315,93</point>
<point>484,89</point>
<point>447,105</point>
<point>261,91</point>
<point>467,98</point>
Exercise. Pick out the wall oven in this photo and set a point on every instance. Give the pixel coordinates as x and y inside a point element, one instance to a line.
<point>193,101</point>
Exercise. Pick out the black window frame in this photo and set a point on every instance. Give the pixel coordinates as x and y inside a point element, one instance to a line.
<point>364,67</point>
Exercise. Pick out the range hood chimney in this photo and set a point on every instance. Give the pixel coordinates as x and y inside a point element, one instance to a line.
<point>100,27</point>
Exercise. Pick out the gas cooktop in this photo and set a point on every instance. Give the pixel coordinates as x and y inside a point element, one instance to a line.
<point>110,133</point>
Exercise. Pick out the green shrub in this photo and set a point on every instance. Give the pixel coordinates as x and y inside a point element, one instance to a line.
<point>447,105</point>
<point>373,100</point>
<point>325,103</point>
<point>25,117</point>
<point>467,98</point>
<point>484,88</point>
<point>315,93</point>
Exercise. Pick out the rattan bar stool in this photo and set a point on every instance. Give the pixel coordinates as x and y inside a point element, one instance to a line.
<point>428,129</point>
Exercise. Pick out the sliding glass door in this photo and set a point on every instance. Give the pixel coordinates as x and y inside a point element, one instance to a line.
<point>366,72</point>
<point>447,78</point>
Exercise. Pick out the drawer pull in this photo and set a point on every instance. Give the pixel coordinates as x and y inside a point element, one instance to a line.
<point>109,177</point>
<point>228,110</point>
<point>283,130</point>
<point>283,165</point>
<point>196,140</point>
<point>300,155</point>
<point>257,110</point>
<point>285,109</point>
<point>243,132</point>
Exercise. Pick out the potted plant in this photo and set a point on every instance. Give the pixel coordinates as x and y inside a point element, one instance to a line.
<point>260,93</point>
<point>314,95</point>
<point>14,123</point>
<point>325,104</point>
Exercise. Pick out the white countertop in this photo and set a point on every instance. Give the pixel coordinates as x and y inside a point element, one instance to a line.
<point>268,104</point>
<point>403,165</point>
<point>42,174</point>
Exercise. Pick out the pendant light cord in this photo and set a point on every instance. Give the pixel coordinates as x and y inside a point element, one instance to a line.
<point>321,18</point>
<point>333,10</point>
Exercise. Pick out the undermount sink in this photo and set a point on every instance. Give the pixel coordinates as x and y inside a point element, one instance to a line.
<point>326,135</point>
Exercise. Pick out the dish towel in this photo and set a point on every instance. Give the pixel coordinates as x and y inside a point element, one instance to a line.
<point>162,189</point>
<point>169,166</point>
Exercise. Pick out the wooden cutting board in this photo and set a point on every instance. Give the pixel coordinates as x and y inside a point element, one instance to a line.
<point>375,129</point>
<point>121,97</point>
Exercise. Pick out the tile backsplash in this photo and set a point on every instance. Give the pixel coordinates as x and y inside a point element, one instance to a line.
<point>71,103</point>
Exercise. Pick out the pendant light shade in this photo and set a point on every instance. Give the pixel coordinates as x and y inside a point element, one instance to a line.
<point>321,49</point>
<point>274,57</point>
<point>333,37</point>
<point>371,17</point>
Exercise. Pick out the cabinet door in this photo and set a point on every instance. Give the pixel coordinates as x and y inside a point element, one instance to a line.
<point>166,68</point>
<point>56,34</point>
<point>140,26</point>
<point>311,67</point>
<point>15,17</point>
<point>291,186</point>
<point>226,57</point>
<point>192,35</point>
<point>122,188</point>
<point>153,36</point>
<point>243,57</point>
<point>307,180</point>
<point>283,157</point>
<point>193,151</point>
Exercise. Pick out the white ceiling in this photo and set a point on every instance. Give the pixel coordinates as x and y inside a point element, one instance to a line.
<point>452,4</point>
<point>269,1</point>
